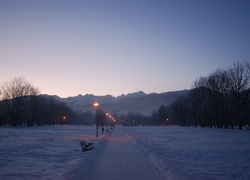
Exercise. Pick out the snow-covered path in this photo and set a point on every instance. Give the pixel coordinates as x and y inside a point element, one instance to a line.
<point>116,157</point>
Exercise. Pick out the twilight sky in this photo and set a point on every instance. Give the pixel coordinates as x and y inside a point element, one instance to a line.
<point>101,47</point>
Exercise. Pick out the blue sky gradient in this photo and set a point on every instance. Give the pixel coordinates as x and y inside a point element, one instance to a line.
<point>112,47</point>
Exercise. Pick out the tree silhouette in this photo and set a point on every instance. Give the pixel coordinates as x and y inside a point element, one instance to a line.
<point>14,94</point>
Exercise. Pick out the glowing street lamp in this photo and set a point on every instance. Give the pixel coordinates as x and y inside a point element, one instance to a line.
<point>112,120</point>
<point>167,120</point>
<point>107,114</point>
<point>96,105</point>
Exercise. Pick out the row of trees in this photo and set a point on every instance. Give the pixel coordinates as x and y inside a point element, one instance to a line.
<point>17,95</point>
<point>161,116</point>
<point>21,105</point>
<point>220,100</point>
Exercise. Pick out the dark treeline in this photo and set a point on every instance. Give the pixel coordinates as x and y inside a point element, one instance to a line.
<point>158,117</point>
<point>41,110</point>
<point>220,100</point>
<point>22,106</point>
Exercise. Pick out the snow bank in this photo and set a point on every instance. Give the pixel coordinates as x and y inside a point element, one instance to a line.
<point>195,153</point>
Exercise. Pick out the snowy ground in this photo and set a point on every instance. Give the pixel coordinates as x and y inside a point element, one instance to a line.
<point>51,152</point>
<point>42,152</point>
<point>196,153</point>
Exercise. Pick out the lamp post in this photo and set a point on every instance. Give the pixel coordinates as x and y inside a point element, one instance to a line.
<point>107,114</point>
<point>96,104</point>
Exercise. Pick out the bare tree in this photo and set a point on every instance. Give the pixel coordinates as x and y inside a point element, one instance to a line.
<point>218,84</point>
<point>13,94</point>
<point>163,114</point>
<point>180,110</point>
<point>239,89</point>
<point>199,102</point>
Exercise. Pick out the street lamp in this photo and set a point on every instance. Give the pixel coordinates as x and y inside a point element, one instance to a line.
<point>107,114</point>
<point>96,104</point>
<point>167,120</point>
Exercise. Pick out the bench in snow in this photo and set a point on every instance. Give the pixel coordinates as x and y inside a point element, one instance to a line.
<point>86,146</point>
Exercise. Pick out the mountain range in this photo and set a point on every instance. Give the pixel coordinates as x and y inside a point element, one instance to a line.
<point>137,102</point>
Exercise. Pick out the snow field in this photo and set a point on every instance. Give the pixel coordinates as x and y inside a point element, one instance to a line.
<point>42,152</point>
<point>195,153</point>
<point>54,152</point>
